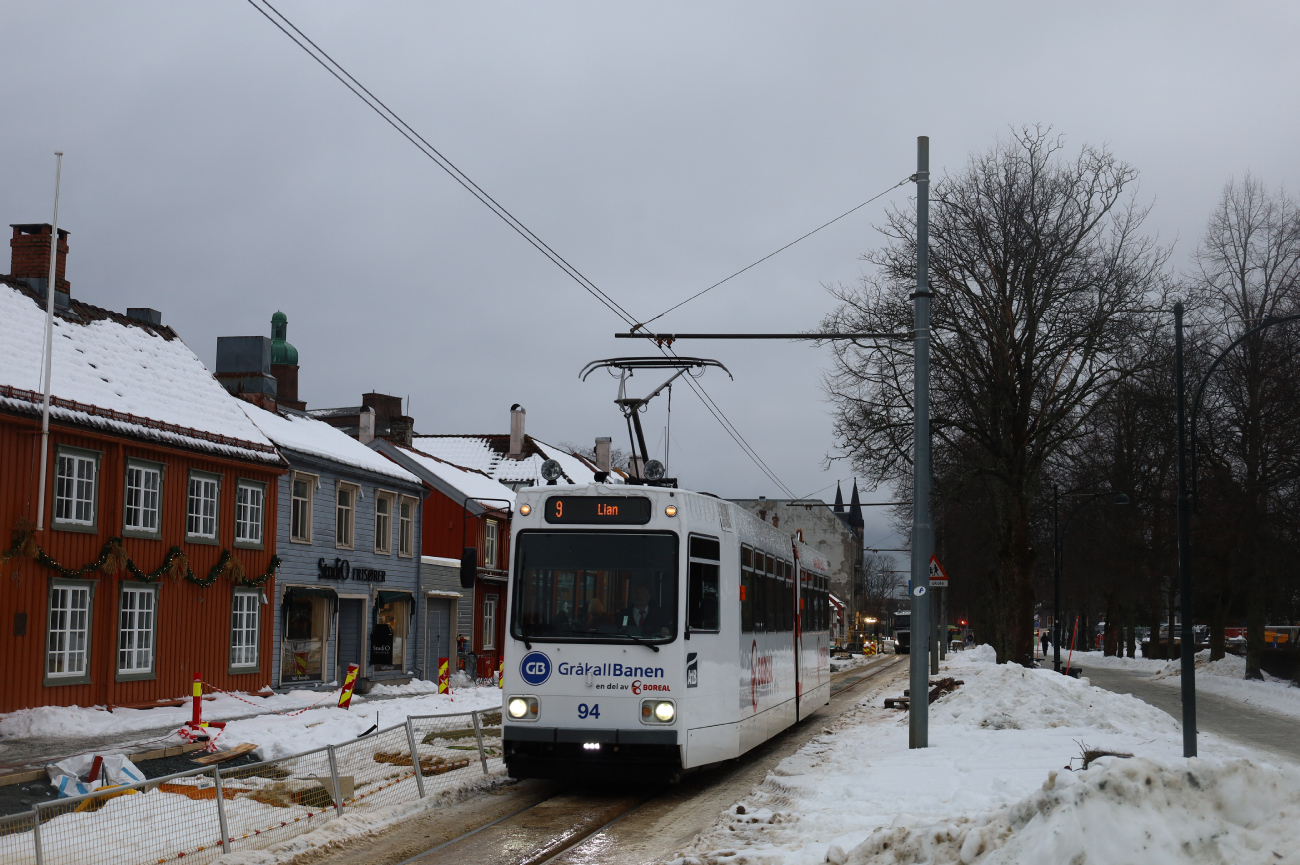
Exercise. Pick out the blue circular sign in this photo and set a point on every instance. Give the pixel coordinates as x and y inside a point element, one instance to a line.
<point>535,668</point>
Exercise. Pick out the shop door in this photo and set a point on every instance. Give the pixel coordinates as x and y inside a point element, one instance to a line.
<point>351,617</point>
<point>437,637</point>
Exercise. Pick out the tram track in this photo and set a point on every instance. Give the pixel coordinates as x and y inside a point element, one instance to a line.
<point>553,829</point>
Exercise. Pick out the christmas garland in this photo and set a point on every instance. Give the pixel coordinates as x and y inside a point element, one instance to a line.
<point>113,560</point>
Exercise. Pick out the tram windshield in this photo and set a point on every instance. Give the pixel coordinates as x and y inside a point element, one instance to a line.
<point>595,586</point>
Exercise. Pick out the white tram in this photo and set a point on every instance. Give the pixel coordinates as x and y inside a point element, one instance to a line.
<point>655,630</point>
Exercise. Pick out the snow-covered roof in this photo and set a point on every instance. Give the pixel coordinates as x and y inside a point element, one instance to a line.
<point>307,435</point>
<point>469,483</point>
<point>488,454</point>
<point>120,374</point>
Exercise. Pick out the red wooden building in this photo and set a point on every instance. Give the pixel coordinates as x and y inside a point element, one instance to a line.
<point>154,556</point>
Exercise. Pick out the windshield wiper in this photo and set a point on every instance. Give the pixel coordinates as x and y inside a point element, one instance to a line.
<point>642,640</point>
<point>523,635</point>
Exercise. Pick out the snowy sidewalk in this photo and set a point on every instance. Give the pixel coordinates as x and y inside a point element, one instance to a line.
<point>993,787</point>
<point>36,736</point>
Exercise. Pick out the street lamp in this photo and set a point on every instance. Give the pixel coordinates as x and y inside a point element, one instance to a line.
<point>1057,555</point>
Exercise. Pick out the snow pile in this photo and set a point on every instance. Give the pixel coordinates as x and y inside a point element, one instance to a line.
<point>310,436</point>
<point>275,734</point>
<point>992,744</point>
<point>1224,677</point>
<point>1118,810</point>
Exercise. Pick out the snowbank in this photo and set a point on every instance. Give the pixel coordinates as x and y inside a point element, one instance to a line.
<point>1119,810</point>
<point>276,734</point>
<point>857,794</point>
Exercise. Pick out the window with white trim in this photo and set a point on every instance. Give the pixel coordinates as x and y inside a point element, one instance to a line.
<point>249,498</point>
<point>201,506</point>
<point>143,491</point>
<point>135,629</point>
<point>244,611</point>
<point>68,632</point>
<point>302,488</point>
<point>75,477</point>
<point>384,522</point>
<point>345,510</point>
<point>406,527</point>
<point>490,544</point>
<point>489,622</point>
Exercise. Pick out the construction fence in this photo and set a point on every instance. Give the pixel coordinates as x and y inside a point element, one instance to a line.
<point>198,815</point>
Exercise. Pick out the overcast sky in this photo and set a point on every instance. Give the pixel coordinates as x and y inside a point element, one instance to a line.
<point>214,172</point>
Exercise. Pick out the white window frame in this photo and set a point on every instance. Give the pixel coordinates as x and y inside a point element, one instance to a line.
<point>384,533</point>
<point>76,497</point>
<point>312,482</point>
<point>406,527</point>
<point>207,515</point>
<point>491,533</point>
<point>250,517</point>
<point>68,631</point>
<point>137,631</point>
<point>245,637</point>
<point>345,517</point>
<point>490,604</point>
<point>146,502</point>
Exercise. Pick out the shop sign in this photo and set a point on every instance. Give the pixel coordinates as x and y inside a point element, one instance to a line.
<point>342,570</point>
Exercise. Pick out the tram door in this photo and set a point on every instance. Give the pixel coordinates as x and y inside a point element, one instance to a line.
<point>702,603</point>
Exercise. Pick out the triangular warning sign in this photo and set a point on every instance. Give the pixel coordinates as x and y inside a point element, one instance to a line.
<point>938,576</point>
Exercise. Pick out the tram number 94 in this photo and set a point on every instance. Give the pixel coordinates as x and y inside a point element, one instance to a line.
<point>585,711</point>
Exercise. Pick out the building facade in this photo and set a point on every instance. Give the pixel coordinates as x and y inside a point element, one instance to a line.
<point>153,558</point>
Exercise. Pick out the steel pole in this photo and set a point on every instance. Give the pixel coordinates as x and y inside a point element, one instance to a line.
<point>1056,578</point>
<point>1188,653</point>
<point>50,288</point>
<point>922,530</point>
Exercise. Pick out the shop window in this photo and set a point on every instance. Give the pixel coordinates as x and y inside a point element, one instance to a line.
<point>406,527</point>
<point>76,475</point>
<point>136,631</point>
<point>490,544</point>
<point>67,647</point>
<point>304,619</point>
<point>141,511</point>
<point>249,511</point>
<point>345,508</point>
<point>388,636</point>
<point>201,507</point>
<point>384,522</point>
<point>303,487</point>
<point>244,612</point>
<point>489,622</point>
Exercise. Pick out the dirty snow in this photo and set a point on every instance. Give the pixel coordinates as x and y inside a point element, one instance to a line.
<point>993,787</point>
<point>276,735</point>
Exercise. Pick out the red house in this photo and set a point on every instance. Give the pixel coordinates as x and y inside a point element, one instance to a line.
<point>154,553</point>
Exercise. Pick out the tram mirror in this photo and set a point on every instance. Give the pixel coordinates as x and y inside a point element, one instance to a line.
<point>468,567</point>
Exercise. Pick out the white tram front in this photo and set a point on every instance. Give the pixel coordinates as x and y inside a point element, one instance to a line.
<point>654,630</point>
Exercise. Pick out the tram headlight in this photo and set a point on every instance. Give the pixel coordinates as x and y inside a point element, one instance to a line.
<point>665,712</point>
<point>658,711</point>
<point>522,708</point>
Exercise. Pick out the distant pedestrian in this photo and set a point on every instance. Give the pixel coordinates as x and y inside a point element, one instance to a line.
<point>1045,642</point>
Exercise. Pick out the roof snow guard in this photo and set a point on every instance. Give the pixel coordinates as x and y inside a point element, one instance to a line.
<point>8,393</point>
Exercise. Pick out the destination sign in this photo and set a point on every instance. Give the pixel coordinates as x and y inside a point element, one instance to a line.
<point>610,510</point>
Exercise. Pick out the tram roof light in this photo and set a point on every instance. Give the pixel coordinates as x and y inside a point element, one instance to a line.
<point>525,510</point>
<point>671,510</point>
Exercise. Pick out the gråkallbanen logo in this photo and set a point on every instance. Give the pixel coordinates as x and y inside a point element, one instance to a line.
<point>535,668</point>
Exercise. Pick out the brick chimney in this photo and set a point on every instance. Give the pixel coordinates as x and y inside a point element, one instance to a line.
<point>30,259</point>
<point>516,430</point>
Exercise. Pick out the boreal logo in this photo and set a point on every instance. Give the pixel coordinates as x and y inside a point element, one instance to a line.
<point>535,668</point>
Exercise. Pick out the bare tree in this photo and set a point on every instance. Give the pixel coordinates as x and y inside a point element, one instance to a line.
<point>1247,270</point>
<point>617,456</point>
<point>881,585</point>
<point>1042,280</point>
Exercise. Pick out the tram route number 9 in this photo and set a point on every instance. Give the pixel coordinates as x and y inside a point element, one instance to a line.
<point>585,711</point>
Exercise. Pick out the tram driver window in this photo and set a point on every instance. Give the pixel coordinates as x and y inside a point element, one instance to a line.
<point>702,591</point>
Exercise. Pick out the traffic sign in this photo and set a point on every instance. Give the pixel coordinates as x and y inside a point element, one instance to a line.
<point>938,576</point>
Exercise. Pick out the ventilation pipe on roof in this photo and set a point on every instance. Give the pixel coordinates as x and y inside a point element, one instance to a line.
<point>602,453</point>
<point>516,430</point>
<point>366,427</point>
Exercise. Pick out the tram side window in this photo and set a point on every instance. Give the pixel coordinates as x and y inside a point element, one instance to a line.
<point>769,596</point>
<point>789,595</point>
<point>702,597</point>
<point>746,590</point>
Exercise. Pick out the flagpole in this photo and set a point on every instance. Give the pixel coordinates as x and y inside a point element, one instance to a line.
<point>50,287</point>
